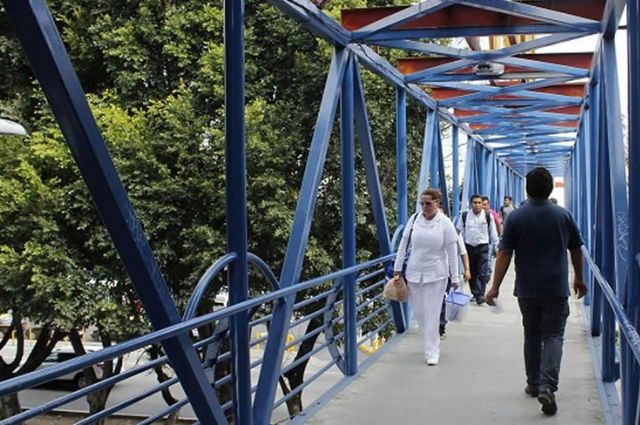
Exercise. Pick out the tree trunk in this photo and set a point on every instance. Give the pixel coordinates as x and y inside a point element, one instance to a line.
<point>295,376</point>
<point>9,406</point>
<point>97,400</point>
<point>172,419</point>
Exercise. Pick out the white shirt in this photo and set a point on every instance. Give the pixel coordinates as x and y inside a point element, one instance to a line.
<point>462,248</point>
<point>474,231</point>
<point>433,249</point>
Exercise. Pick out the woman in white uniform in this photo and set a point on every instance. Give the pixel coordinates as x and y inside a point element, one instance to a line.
<point>432,260</point>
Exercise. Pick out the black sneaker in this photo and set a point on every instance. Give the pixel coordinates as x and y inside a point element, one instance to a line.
<point>532,390</point>
<point>480,300</point>
<point>548,401</point>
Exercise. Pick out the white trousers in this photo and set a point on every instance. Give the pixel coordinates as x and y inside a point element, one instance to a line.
<point>426,303</point>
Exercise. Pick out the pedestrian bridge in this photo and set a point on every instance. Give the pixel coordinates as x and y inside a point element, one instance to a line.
<point>356,360</point>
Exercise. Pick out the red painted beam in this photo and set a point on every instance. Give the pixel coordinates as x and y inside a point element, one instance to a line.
<point>458,16</point>
<point>573,110</point>
<point>575,90</point>
<point>577,60</point>
<point>567,124</point>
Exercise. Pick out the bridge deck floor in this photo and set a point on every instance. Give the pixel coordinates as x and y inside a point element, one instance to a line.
<point>480,378</point>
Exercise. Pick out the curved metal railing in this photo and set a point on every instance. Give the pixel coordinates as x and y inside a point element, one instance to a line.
<point>373,317</point>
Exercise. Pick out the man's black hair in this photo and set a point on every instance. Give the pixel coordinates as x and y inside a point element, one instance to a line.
<point>539,183</point>
<point>484,198</point>
<point>474,196</point>
<point>508,197</point>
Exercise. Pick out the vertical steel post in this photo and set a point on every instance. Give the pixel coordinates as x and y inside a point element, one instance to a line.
<point>442,180</point>
<point>235,160</point>
<point>607,245</point>
<point>400,312</point>
<point>427,152</point>
<point>347,171</point>
<point>434,176</point>
<point>467,183</point>
<point>401,155</point>
<point>632,298</point>
<point>296,247</point>
<point>455,136</point>
<point>596,182</point>
<point>37,32</point>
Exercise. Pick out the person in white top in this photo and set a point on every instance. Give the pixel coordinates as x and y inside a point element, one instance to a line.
<point>432,261</point>
<point>478,230</point>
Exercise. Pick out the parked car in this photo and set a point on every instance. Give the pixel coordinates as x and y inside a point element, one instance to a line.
<point>77,377</point>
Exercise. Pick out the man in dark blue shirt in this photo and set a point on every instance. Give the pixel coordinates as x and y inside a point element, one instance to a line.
<point>540,233</point>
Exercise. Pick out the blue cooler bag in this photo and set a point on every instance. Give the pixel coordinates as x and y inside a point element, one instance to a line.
<point>456,305</point>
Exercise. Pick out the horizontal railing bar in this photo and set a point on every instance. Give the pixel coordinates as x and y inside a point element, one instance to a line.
<point>369,275</point>
<point>370,288</point>
<point>260,320</point>
<point>60,401</point>
<point>369,301</point>
<point>170,409</point>
<point>28,380</point>
<point>627,328</point>
<point>103,383</point>
<point>306,383</point>
<point>310,316</point>
<point>128,402</point>
<point>305,337</point>
<point>369,317</point>
<point>313,299</point>
<point>370,334</point>
<point>306,356</point>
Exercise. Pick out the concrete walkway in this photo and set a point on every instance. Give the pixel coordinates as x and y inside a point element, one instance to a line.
<point>480,379</point>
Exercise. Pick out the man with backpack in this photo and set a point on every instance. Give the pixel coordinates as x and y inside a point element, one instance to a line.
<point>506,208</point>
<point>478,230</point>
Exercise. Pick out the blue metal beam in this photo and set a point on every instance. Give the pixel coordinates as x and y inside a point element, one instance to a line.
<point>270,370</point>
<point>632,293</point>
<point>236,206</point>
<point>347,174</point>
<point>456,170</point>
<point>50,61</point>
<point>401,155</point>
<point>400,312</point>
<point>412,12</point>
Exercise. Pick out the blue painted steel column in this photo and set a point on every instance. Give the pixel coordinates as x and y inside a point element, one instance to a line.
<point>607,245</point>
<point>402,188</point>
<point>632,298</point>
<point>434,176</point>
<point>455,136</point>
<point>617,179</point>
<point>468,184</point>
<point>347,171</point>
<point>401,155</point>
<point>399,311</point>
<point>596,130</point>
<point>442,180</point>
<point>50,61</point>
<point>370,164</point>
<point>292,267</point>
<point>427,152</point>
<point>235,160</point>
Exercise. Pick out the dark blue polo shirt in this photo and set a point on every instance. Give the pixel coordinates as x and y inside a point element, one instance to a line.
<point>540,233</point>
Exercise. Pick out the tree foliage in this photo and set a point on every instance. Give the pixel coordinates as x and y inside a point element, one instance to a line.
<point>153,72</point>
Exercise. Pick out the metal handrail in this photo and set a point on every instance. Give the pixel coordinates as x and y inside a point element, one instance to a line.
<point>629,331</point>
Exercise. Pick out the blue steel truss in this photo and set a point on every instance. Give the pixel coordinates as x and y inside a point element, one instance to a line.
<point>512,121</point>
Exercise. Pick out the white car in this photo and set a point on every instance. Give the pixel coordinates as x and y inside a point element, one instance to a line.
<point>77,378</point>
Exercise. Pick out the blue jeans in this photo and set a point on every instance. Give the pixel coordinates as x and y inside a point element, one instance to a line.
<point>544,320</point>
